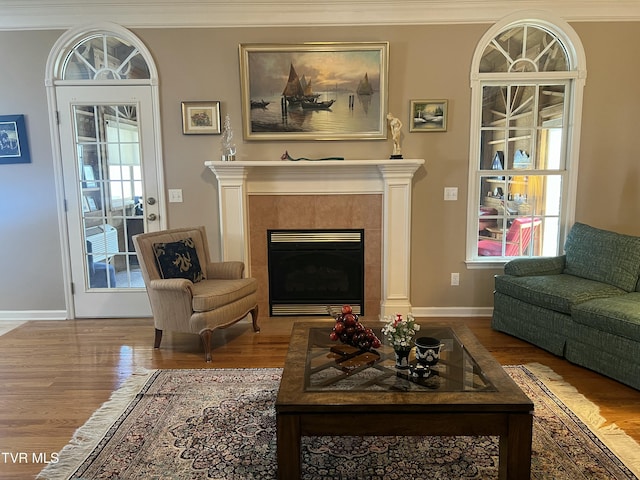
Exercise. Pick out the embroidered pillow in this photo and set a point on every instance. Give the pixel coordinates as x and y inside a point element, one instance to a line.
<point>178,260</point>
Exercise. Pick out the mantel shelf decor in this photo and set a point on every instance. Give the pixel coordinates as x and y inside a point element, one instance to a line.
<point>286,156</point>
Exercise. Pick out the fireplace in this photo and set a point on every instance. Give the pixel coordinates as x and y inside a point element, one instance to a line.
<point>288,195</point>
<point>310,270</point>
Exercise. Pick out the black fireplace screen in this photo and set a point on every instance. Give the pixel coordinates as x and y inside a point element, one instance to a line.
<point>310,270</point>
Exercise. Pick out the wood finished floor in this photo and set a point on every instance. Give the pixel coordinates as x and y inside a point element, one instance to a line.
<point>55,374</point>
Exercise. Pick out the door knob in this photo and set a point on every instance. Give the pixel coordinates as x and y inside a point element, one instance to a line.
<point>152,217</point>
<point>151,201</point>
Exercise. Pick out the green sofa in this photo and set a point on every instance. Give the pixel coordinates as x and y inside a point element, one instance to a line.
<point>583,305</point>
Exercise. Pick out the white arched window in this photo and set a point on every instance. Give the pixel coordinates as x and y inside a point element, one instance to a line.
<point>103,56</point>
<point>527,79</point>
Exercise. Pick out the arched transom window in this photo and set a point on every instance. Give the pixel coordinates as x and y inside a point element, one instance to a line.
<point>105,57</point>
<point>524,48</point>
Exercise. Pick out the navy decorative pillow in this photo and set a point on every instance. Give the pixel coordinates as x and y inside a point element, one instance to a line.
<point>178,260</point>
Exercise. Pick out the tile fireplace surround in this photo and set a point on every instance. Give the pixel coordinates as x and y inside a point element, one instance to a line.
<point>380,186</point>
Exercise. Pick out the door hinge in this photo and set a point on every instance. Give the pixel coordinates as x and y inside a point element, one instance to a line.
<point>73,288</point>
<point>58,117</point>
<point>66,208</point>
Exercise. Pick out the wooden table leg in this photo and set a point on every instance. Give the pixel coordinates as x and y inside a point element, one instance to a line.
<point>288,446</point>
<point>515,448</point>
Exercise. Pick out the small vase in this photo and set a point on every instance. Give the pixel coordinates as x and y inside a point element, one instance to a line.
<point>402,358</point>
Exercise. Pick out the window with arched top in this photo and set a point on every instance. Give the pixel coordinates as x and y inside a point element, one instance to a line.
<point>527,78</point>
<point>524,48</point>
<point>103,56</point>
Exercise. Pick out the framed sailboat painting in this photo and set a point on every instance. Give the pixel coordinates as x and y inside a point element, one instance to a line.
<point>314,91</point>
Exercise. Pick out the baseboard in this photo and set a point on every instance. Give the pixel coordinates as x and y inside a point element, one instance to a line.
<point>23,315</point>
<point>452,311</point>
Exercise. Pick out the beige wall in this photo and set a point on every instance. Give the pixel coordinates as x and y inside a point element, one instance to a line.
<point>425,62</point>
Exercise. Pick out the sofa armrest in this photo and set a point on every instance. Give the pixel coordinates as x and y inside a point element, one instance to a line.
<point>521,267</point>
<point>225,270</point>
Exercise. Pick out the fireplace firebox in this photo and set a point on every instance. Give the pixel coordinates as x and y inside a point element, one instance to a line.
<point>310,270</point>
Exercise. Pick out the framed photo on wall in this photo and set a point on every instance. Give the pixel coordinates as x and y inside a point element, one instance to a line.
<point>201,118</point>
<point>428,116</point>
<point>14,145</point>
<point>314,91</point>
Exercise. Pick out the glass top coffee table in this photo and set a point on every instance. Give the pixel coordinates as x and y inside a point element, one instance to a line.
<point>327,391</point>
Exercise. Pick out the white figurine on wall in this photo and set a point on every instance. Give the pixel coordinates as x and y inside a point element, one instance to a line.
<point>396,126</point>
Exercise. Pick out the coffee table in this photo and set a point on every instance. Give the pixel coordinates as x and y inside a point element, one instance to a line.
<point>467,393</point>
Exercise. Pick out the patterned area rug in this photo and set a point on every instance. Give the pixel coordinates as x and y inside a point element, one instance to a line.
<point>220,424</point>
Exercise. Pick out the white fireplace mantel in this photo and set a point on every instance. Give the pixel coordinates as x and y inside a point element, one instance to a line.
<point>390,178</point>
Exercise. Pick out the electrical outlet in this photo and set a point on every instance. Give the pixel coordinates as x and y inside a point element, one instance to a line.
<point>451,193</point>
<point>455,279</point>
<point>175,195</point>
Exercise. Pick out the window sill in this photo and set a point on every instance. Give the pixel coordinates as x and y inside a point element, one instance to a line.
<point>486,264</point>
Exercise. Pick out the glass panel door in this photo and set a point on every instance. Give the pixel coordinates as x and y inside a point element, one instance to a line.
<point>111,191</point>
<point>110,182</point>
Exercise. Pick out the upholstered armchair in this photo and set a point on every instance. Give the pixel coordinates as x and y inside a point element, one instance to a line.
<point>189,293</point>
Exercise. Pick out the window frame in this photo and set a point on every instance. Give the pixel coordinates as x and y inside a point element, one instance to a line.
<point>574,76</point>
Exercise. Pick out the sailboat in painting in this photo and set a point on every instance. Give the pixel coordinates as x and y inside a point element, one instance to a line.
<point>293,90</point>
<point>364,87</point>
<point>299,92</point>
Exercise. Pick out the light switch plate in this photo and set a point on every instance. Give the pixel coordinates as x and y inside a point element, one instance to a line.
<point>451,193</point>
<point>175,195</point>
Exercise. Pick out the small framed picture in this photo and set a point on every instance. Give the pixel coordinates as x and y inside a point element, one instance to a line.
<point>14,147</point>
<point>201,118</point>
<point>428,116</point>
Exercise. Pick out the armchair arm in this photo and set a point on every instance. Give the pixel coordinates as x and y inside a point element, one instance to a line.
<point>171,303</point>
<point>175,284</point>
<point>225,270</point>
<point>521,267</point>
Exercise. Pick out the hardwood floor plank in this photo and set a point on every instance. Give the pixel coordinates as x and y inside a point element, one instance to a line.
<point>56,374</point>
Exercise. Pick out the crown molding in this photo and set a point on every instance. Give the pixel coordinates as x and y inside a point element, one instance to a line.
<point>58,14</point>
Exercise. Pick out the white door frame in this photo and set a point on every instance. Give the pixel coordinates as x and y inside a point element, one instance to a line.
<point>53,73</point>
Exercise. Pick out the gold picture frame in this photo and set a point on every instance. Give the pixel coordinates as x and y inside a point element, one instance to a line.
<point>201,118</point>
<point>314,91</point>
<point>428,116</point>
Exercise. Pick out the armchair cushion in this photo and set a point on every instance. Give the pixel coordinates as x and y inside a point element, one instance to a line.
<point>213,294</point>
<point>178,260</point>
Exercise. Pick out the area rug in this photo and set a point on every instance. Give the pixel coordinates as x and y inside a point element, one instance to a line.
<point>220,424</point>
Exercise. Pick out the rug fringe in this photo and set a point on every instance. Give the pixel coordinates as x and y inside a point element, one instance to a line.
<point>625,447</point>
<point>87,437</point>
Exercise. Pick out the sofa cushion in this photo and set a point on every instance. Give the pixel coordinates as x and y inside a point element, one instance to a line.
<point>617,316</point>
<point>555,292</point>
<point>603,256</point>
<point>178,260</point>
<point>211,294</point>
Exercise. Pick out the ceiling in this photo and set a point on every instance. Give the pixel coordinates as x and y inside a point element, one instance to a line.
<point>63,14</point>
